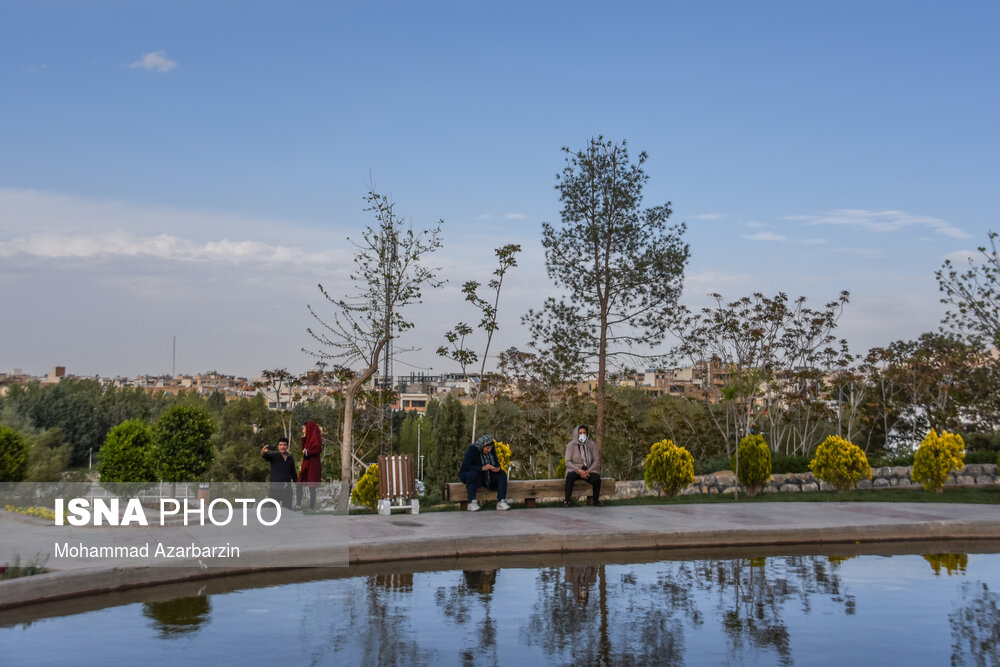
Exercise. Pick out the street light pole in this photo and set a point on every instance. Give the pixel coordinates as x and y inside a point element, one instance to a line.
<point>420,459</point>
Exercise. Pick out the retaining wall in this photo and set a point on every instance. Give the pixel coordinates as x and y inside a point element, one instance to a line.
<point>804,482</point>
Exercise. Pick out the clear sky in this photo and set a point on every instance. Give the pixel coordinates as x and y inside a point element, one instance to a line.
<point>192,169</point>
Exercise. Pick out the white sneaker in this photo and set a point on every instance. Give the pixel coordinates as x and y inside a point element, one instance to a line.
<point>502,505</point>
<point>474,506</point>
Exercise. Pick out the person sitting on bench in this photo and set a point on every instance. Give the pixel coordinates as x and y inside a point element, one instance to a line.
<point>481,468</point>
<point>582,462</point>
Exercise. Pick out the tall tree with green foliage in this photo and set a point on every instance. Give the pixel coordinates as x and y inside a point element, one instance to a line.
<point>621,266</point>
<point>126,454</point>
<point>13,455</point>
<point>72,405</point>
<point>389,274</point>
<point>451,439</point>
<point>182,450</point>
<point>48,456</point>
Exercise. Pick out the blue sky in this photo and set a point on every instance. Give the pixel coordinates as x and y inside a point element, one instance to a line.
<point>193,169</point>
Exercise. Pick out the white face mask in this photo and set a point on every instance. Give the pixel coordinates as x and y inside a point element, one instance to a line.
<point>583,437</point>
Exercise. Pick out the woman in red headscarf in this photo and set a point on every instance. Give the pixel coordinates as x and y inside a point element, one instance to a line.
<point>312,466</point>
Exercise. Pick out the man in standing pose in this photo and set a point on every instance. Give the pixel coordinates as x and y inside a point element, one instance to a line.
<point>282,472</point>
<point>583,463</point>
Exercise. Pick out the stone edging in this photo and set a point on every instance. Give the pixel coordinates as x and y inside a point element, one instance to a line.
<point>724,482</point>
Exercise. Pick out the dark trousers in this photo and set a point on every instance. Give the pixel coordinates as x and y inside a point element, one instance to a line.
<point>594,479</point>
<point>282,492</point>
<point>476,480</point>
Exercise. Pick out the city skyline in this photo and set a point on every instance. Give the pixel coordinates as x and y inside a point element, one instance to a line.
<point>194,171</point>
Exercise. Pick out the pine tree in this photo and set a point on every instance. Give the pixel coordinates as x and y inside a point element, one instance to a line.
<point>450,442</point>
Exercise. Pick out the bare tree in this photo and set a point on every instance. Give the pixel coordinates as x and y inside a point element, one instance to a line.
<point>489,307</point>
<point>388,275</point>
<point>275,382</point>
<point>974,293</point>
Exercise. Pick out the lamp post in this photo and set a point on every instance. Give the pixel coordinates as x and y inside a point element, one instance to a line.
<point>420,459</point>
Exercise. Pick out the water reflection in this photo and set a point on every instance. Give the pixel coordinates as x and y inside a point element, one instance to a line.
<point>975,627</point>
<point>763,610</point>
<point>950,563</point>
<point>178,617</point>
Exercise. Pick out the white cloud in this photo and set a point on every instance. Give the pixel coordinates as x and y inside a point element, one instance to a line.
<point>698,283</point>
<point>709,216</point>
<point>813,241</point>
<point>756,225</point>
<point>962,257</point>
<point>514,216</point>
<point>880,221</point>
<point>118,243</point>
<point>31,69</point>
<point>766,236</point>
<point>155,61</point>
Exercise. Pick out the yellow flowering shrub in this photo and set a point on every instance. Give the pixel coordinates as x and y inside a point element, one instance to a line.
<point>503,455</point>
<point>754,463</point>
<point>669,467</point>
<point>40,512</point>
<point>937,456</point>
<point>840,463</point>
<point>366,490</point>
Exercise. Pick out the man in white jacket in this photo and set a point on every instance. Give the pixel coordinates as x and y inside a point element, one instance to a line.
<point>582,462</point>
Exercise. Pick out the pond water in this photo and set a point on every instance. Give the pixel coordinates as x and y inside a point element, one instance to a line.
<point>920,609</point>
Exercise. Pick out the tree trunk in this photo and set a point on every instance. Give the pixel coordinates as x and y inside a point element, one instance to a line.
<point>602,378</point>
<point>345,447</point>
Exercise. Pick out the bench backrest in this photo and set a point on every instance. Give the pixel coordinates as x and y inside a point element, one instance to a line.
<point>396,477</point>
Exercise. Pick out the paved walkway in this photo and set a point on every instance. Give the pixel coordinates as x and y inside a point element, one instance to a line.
<point>445,535</point>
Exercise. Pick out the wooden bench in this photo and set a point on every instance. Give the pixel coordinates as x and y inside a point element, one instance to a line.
<point>529,491</point>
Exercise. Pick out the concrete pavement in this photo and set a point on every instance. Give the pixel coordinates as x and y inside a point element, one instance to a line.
<point>448,535</point>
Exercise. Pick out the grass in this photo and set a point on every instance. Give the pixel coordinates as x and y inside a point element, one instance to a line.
<point>15,570</point>
<point>984,494</point>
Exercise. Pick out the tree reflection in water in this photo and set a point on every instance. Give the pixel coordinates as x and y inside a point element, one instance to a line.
<point>632,622</point>
<point>474,589</point>
<point>371,622</point>
<point>178,617</point>
<point>975,627</point>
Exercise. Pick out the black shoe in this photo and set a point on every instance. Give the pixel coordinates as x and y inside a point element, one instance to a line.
<point>597,503</point>
<point>567,503</point>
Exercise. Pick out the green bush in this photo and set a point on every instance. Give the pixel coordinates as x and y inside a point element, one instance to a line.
<point>981,456</point>
<point>754,463</point>
<point>714,464</point>
<point>669,467</point>
<point>181,449</point>
<point>13,455</point>
<point>891,461</point>
<point>561,468</point>
<point>365,492</point>
<point>840,463</point>
<point>977,441</point>
<point>125,456</point>
<point>936,457</point>
<point>785,463</point>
